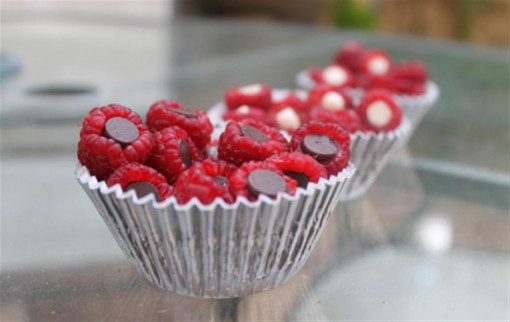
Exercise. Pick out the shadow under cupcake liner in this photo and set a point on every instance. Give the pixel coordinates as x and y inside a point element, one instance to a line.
<point>217,250</point>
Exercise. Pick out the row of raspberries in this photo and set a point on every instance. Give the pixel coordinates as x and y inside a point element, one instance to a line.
<point>356,66</point>
<point>376,112</point>
<point>169,154</point>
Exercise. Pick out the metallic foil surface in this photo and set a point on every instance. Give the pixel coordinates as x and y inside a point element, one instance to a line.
<point>217,250</point>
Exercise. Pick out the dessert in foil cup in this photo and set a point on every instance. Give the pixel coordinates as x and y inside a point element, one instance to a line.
<point>370,151</point>
<point>218,250</point>
<point>414,107</point>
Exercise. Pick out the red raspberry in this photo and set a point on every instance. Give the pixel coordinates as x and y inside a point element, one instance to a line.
<point>327,143</point>
<point>112,136</point>
<point>258,95</point>
<point>336,75</point>
<point>300,167</point>
<point>142,179</point>
<point>329,97</point>
<point>379,112</point>
<point>368,81</point>
<point>246,112</point>
<point>255,178</point>
<point>249,140</point>
<point>349,55</point>
<point>375,62</point>
<point>349,120</point>
<point>288,113</point>
<point>206,181</point>
<point>173,152</point>
<point>315,74</point>
<point>163,114</point>
<point>409,78</point>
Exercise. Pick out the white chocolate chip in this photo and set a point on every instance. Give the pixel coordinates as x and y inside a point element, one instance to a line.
<point>379,65</point>
<point>253,89</point>
<point>333,101</point>
<point>243,109</point>
<point>379,113</point>
<point>288,119</point>
<point>334,75</point>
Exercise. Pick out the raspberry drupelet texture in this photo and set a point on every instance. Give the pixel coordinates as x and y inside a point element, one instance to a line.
<point>349,120</point>
<point>379,112</point>
<point>329,97</point>
<point>300,167</point>
<point>288,113</point>
<point>258,95</point>
<point>257,178</point>
<point>206,181</point>
<point>246,112</point>
<point>327,143</point>
<point>112,136</point>
<point>173,152</point>
<point>163,114</point>
<point>249,140</point>
<point>143,179</point>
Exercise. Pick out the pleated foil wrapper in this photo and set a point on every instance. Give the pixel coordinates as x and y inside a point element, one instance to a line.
<point>217,250</point>
<point>369,153</point>
<point>414,107</point>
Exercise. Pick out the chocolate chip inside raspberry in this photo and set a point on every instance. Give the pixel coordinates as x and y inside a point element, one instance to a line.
<point>254,133</point>
<point>121,130</point>
<point>188,114</point>
<point>320,147</point>
<point>221,180</point>
<point>143,188</point>
<point>301,179</point>
<point>185,153</point>
<point>265,182</point>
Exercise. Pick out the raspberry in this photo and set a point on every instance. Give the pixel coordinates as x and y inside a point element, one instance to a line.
<point>288,113</point>
<point>112,136</point>
<point>163,114</point>
<point>173,152</point>
<point>258,95</point>
<point>336,75</point>
<point>246,112</point>
<point>379,112</point>
<point>349,55</point>
<point>327,143</point>
<point>316,75</point>
<point>206,181</point>
<point>368,81</point>
<point>299,167</point>
<point>409,78</point>
<point>349,120</point>
<point>329,97</point>
<point>142,179</point>
<point>249,140</point>
<point>260,178</point>
<point>375,62</point>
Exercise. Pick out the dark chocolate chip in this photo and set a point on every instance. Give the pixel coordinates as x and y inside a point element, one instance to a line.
<point>301,179</point>
<point>121,130</point>
<point>185,153</point>
<point>265,182</point>
<point>143,188</point>
<point>254,133</point>
<point>221,180</point>
<point>187,113</point>
<point>320,147</point>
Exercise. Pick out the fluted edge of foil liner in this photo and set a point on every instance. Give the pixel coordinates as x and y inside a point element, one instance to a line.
<point>369,153</point>
<point>219,250</point>
<point>414,107</point>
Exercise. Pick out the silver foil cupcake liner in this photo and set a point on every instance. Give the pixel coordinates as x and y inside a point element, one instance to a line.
<point>370,153</point>
<point>218,250</point>
<point>414,107</point>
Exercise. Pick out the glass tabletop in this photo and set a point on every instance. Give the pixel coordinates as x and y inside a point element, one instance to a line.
<point>429,241</point>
